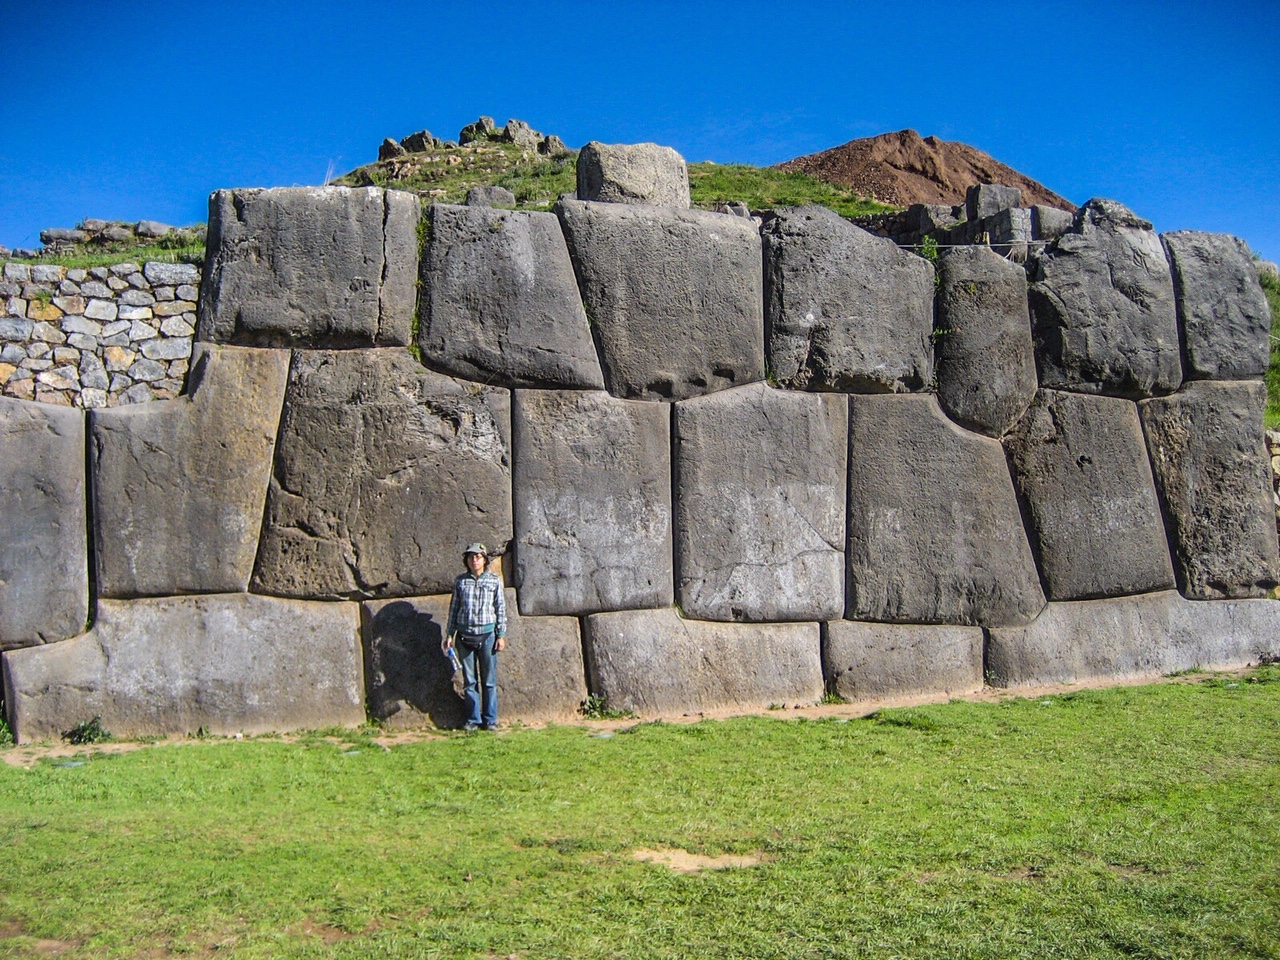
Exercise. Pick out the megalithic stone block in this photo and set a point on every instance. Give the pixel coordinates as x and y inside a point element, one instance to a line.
<point>224,663</point>
<point>44,565</point>
<point>881,661</point>
<point>643,173</point>
<point>311,267</point>
<point>592,484</point>
<point>655,662</point>
<point>179,485</point>
<point>1211,471</point>
<point>384,472</point>
<point>935,534</point>
<point>540,673</point>
<point>760,504</point>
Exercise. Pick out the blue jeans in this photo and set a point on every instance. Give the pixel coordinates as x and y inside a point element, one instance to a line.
<point>487,679</point>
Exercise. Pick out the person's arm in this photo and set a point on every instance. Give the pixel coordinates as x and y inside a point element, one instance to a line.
<point>500,609</point>
<point>451,626</point>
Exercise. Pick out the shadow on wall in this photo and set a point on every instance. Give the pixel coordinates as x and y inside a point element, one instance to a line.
<point>409,670</point>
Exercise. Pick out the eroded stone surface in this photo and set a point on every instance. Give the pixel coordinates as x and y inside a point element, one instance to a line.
<point>880,661</point>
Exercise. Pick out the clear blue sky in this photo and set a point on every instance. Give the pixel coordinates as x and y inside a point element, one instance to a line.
<point>132,110</point>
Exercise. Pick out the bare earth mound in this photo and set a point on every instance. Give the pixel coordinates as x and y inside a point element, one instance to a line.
<point>904,168</point>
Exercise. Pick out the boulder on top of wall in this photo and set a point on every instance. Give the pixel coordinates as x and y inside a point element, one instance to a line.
<point>384,471</point>
<point>1049,223</point>
<point>1145,636</point>
<point>310,266</point>
<point>844,310</point>
<point>1103,309</point>
<point>179,485</point>
<point>489,196</point>
<point>593,504</point>
<point>760,501</point>
<point>44,557</point>
<point>1081,467</point>
<point>633,173</point>
<point>655,662</point>
<point>880,661</point>
<point>499,302</point>
<point>986,364</point>
<point>1223,311</point>
<point>541,676</point>
<point>227,663</point>
<point>984,200</point>
<point>674,297</point>
<point>1211,470</point>
<point>935,535</point>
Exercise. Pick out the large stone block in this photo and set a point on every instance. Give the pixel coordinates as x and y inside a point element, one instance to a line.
<point>986,364</point>
<point>633,173</point>
<point>1144,636</point>
<point>222,663</point>
<point>1103,308</point>
<point>310,266</point>
<point>1212,473</point>
<point>179,485</point>
<point>500,303</point>
<point>760,504</point>
<point>844,310</point>
<point>44,556</point>
<point>1081,467</point>
<point>883,661</point>
<point>674,297</point>
<point>654,662</point>
<point>384,471</point>
<point>592,478</point>
<point>1223,311</point>
<point>935,534</point>
<point>540,673</point>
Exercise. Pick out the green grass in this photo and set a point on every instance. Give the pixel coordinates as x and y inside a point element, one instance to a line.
<point>1271,286</point>
<point>86,259</point>
<point>762,188</point>
<point>1135,822</point>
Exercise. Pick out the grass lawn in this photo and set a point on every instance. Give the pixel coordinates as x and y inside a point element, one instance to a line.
<point>1139,821</point>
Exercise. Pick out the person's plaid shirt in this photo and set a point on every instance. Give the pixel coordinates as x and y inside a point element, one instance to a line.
<point>477,605</point>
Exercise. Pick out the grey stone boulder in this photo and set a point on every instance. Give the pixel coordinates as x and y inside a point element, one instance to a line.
<point>310,266</point>
<point>390,149</point>
<point>760,501</point>
<point>499,301</point>
<point>674,297</point>
<point>844,310</point>
<point>983,355</point>
<point>1049,223</point>
<point>179,485</point>
<point>1212,473</point>
<point>44,555</point>
<point>653,662</point>
<point>552,146</point>
<point>633,173</point>
<point>224,664</point>
<point>984,200</point>
<point>883,661</point>
<point>1102,306</point>
<point>490,197</point>
<point>482,129</point>
<point>418,142</point>
<point>1080,466</point>
<point>521,134</point>
<point>1129,637</point>
<point>1224,314</point>
<point>593,524</point>
<point>540,673</point>
<point>152,228</point>
<point>935,534</point>
<point>384,471</point>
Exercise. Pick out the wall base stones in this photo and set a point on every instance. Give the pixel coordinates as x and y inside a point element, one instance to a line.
<point>881,661</point>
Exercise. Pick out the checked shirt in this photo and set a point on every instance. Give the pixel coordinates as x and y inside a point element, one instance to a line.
<point>477,605</point>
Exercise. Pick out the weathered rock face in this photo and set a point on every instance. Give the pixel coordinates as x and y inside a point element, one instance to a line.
<point>540,673</point>
<point>934,530</point>
<point>984,200</point>
<point>490,197</point>
<point>1223,311</point>
<point>178,486</point>
<point>1150,635</point>
<point>986,364</point>
<point>499,301</point>
<point>880,661</point>
<point>44,566</point>
<point>760,495</point>
<point>674,297</point>
<point>310,266</point>
<point>654,662</point>
<point>633,173</point>
<point>1081,467</point>
<point>384,471</point>
<point>1211,472</point>
<point>593,514</point>
<point>1103,308</point>
<point>226,663</point>
<point>844,310</point>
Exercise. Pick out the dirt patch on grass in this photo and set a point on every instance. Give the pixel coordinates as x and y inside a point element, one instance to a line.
<point>38,947</point>
<point>682,861</point>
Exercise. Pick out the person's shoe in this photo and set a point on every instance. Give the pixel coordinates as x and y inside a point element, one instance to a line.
<point>469,728</point>
<point>491,727</point>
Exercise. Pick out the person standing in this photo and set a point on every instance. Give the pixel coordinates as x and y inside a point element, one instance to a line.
<point>478,628</point>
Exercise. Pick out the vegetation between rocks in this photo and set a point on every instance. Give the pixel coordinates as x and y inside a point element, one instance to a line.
<point>1271,286</point>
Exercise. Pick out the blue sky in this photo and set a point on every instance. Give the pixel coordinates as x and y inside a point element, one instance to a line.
<point>132,110</point>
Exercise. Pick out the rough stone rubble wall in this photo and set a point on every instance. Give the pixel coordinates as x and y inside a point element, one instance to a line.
<point>716,485</point>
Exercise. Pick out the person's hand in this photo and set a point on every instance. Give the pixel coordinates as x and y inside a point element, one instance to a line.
<point>500,644</point>
<point>448,643</point>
